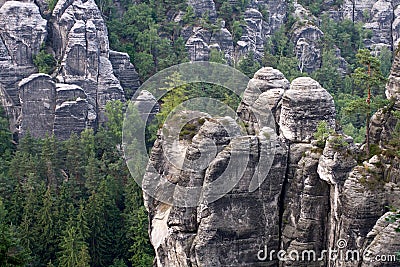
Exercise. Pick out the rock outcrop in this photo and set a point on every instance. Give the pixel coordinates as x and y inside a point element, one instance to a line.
<point>80,40</point>
<point>37,97</point>
<point>204,8</point>
<point>22,32</point>
<point>254,33</point>
<point>307,40</point>
<point>303,106</point>
<point>393,85</point>
<point>316,197</point>
<point>88,75</point>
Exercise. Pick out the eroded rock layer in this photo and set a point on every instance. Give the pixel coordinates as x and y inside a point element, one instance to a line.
<point>88,74</point>
<point>316,196</point>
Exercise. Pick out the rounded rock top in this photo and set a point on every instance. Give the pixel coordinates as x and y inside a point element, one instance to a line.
<point>268,73</point>
<point>305,83</point>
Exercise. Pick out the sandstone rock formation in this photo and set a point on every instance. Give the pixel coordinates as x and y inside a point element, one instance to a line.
<point>88,76</point>
<point>303,106</point>
<point>204,8</point>
<point>22,32</point>
<point>313,198</point>
<point>37,97</point>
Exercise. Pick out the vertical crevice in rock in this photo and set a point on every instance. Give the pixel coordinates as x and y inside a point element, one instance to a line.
<point>282,197</point>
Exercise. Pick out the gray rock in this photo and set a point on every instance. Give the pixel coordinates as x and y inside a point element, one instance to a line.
<point>393,85</point>
<point>197,48</point>
<point>362,204</point>
<point>306,214</point>
<point>278,12</point>
<point>81,40</point>
<point>357,10</point>
<point>307,40</point>
<point>303,107</point>
<point>125,72</point>
<point>13,112</point>
<point>147,102</point>
<point>37,97</point>
<point>204,7</point>
<point>254,34</point>
<point>396,27</point>
<point>22,30</point>
<point>264,91</point>
<point>71,117</point>
<point>384,243</point>
<point>224,42</point>
<point>381,25</point>
<point>73,113</point>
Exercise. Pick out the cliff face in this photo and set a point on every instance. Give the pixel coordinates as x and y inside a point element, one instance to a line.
<point>88,74</point>
<point>313,198</point>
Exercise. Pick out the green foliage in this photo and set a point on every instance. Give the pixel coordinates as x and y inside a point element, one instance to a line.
<point>249,65</point>
<point>385,57</point>
<point>68,202</point>
<point>345,35</point>
<point>12,253</point>
<point>322,133</point>
<point>394,218</point>
<point>217,56</point>
<point>149,37</point>
<point>52,4</point>
<point>44,61</point>
<point>6,144</point>
<point>369,75</point>
<point>115,118</point>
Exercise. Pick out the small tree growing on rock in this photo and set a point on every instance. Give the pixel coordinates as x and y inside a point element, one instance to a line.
<point>368,77</point>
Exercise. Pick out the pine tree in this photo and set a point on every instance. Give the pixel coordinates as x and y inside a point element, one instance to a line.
<point>12,253</point>
<point>44,229</point>
<point>369,77</point>
<point>73,249</point>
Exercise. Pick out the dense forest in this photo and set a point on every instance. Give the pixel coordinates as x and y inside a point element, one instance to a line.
<point>71,203</point>
<point>74,203</point>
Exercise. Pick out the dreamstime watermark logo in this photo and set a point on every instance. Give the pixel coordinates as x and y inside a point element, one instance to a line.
<point>340,253</point>
<point>161,183</point>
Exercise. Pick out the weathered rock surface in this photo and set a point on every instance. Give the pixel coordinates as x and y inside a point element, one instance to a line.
<point>37,97</point>
<point>200,42</point>
<point>265,90</point>
<point>277,10</point>
<point>22,32</point>
<point>81,41</point>
<point>254,33</point>
<point>393,85</point>
<point>303,106</point>
<point>73,113</point>
<point>204,8</point>
<point>213,233</point>
<point>145,102</point>
<point>125,72</point>
<point>383,244</point>
<point>381,25</point>
<point>357,10</point>
<point>304,223</point>
<point>87,76</point>
<point>307,40</point>
<point>314,198</point>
